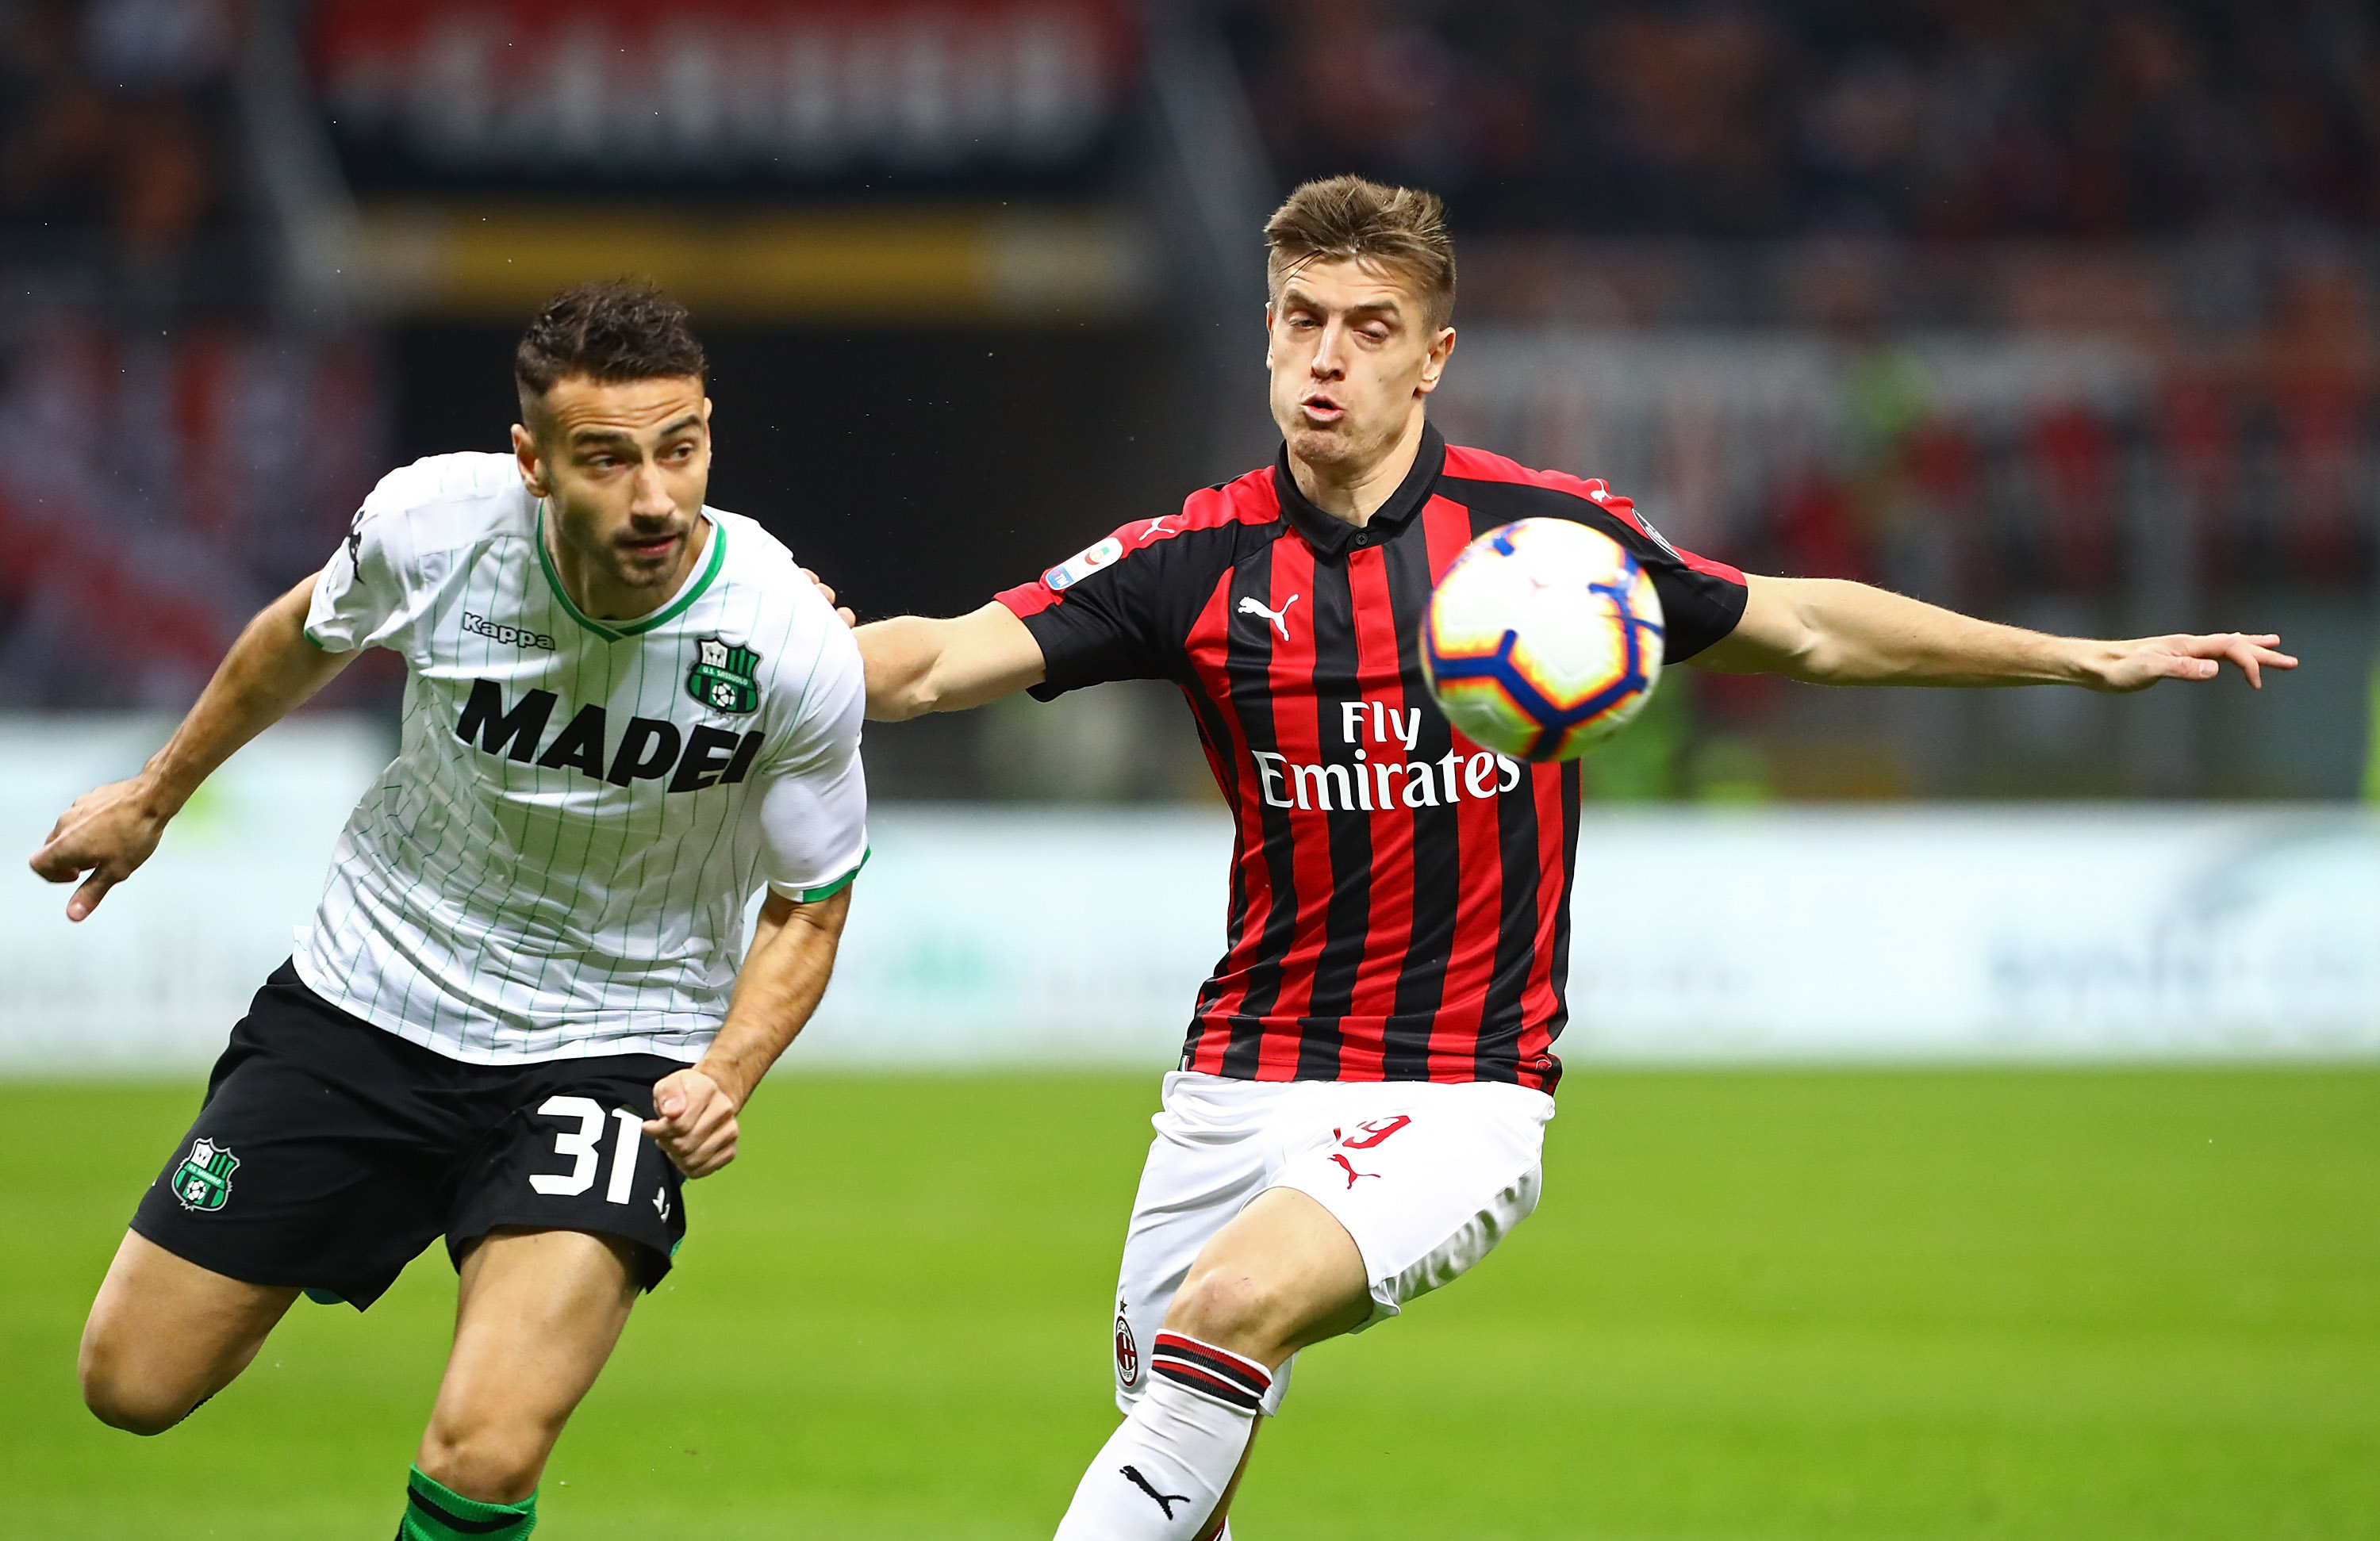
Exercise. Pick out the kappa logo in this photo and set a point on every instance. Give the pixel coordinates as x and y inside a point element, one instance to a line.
<point>203,1183</point>
<point>1251,605</point>
<point>510,637</point>
<point>661,1202</point>
<point>725,676</point>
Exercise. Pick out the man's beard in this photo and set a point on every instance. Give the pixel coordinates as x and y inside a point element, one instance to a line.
<point>631,571</point>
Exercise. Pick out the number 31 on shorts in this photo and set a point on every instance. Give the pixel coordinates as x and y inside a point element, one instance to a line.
<point>584,1146</point>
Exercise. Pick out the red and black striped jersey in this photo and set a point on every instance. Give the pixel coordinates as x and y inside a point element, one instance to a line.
<point>1400,905</point>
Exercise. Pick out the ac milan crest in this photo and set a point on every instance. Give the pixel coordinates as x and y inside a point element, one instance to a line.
<point>1127,1352</point>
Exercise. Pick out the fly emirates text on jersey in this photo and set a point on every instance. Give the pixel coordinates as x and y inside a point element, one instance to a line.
<point>1372,784</point>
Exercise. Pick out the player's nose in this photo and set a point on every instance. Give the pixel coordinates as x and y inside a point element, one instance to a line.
<point>1328,361</point>
<point>650,499</point>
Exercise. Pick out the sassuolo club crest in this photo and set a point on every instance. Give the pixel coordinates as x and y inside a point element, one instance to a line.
<point>725,676</point>
<point>203,1180</point>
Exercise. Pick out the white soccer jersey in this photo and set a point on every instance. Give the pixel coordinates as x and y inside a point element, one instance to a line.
<point>558,862</point>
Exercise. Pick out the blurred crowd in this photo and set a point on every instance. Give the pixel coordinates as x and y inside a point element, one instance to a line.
<point>185,458</point>
<point>917,93</point>
<point>2034,393</point>
<point>183,478</point>
<point>2068,312</point>
<point>115,118</point>
<point>1934,118</point>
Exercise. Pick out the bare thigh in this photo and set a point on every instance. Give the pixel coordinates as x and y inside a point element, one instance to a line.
<point>537,1313</point>
<point>165,1334</point>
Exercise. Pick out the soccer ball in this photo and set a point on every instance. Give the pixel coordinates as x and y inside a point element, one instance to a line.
<point>1542,639</point>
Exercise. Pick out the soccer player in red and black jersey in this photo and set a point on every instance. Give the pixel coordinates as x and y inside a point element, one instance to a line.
<point>1359,1110</point>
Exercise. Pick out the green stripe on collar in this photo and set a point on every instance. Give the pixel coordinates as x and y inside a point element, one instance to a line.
<point>614,631</point>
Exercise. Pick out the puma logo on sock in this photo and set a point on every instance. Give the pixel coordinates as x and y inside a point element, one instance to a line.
<point>1164,1501</point>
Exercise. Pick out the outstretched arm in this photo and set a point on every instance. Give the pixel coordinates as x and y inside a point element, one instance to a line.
<point>269,672</point>
<point>1830,631</point>
<point>917,665</point>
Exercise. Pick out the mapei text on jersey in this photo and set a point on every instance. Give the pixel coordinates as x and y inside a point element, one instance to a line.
<point>647,747</point>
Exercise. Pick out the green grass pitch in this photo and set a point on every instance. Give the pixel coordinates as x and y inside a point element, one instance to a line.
<point>2085,1305</point>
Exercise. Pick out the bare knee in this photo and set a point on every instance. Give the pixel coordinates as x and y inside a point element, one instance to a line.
<point>133,1412</point>
<point>491,1462</point>
<point>1236,1309</point>
<point>120,1396</point>
<point>1281,1275</point>
<point>166,1334</point>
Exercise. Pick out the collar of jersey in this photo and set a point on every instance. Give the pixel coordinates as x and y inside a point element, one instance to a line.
<point>1333,537</point>
<point>614,631</point>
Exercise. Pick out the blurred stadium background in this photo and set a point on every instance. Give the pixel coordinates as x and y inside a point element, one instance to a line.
<point>2067,314</point>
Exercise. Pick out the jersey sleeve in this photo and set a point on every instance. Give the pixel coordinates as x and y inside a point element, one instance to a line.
<point>814,799</point>
<point>1105,613</point>
<point>1702,601</point>
<point>361,597</point>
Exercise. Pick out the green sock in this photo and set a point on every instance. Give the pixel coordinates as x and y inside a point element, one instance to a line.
<point>434,1513</point>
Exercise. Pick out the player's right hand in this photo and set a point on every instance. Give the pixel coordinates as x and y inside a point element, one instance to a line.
<point>108,833</point>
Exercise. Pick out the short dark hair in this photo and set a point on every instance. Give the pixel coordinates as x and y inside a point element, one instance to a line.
<point>1347,219</point>
<point>617,330</point>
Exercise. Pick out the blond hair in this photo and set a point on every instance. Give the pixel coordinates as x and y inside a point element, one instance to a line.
<point>1347,219</point>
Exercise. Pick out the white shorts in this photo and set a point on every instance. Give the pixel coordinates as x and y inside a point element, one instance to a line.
<point>1425,1177</point>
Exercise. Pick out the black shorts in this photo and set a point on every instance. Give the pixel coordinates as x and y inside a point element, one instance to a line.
<point>330,1152</point>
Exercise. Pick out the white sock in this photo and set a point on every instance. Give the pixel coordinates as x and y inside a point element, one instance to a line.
<point>1160,1474</point>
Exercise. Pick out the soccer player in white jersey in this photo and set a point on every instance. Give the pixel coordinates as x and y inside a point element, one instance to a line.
<point>523,1013</point>
<point>1358,1112</point>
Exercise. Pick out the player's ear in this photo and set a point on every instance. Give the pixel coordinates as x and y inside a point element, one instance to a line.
<point>532,471</point>
<point>1268,334</point>
<point>1434,366</point>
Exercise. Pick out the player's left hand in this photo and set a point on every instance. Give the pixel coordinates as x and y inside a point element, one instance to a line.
<point>697,1124</point>
<point>826,592</point>
<point>2137,665</point>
